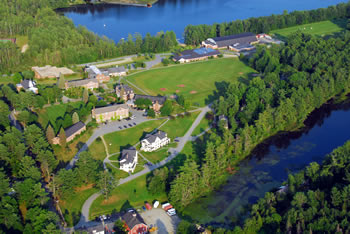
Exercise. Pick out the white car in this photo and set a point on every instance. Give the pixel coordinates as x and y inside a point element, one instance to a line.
<point>165,205</point>
<point>171,212</point>
<point>156,204</point>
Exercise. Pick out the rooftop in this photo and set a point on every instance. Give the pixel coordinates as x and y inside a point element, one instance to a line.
<point>152,137</point>
<point>116,69</point>
<point>128,155</point>
<point>112,108</point>
<point>74,128</point>
<point>26,84</point>
<point>196,53</point>
<point>125,87</point>
<point>242,38</point>
<point>77,83</point>
<point>49,71</point>
<point>159,99</point>
<point>132,219</point>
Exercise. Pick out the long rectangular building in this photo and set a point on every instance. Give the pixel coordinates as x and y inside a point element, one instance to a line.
<point>115,112</point>
<point>247,38</point>
<point>195,55</point>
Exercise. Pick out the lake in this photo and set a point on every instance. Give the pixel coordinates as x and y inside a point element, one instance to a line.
<point>326,129</point>
<point>117,21</point>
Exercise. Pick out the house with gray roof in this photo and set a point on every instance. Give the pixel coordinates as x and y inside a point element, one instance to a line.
<point>154,141</point>
<point>128,160</point>
<point>246,38</point>
<point>134,223</point>
<point>108,113</point>
<point>116,71</point>
<point>27,85</point>
<point>124,92</point>
<point>157,101</point>
<point>71,132</point>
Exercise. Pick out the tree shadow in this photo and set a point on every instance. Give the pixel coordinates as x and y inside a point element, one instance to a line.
<point>221,88</point>
<point>126,206</point>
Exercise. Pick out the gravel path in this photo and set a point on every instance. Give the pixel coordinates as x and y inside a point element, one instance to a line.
<point>84,219</point>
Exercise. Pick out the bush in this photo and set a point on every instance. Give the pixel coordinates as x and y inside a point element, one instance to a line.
<point>220,55</point>
<point>151,113</point>
<point>165,62</point>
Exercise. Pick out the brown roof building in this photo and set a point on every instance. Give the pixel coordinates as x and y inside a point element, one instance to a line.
<point>86,83</point>
<point>108,113</point>
<point>50,72</point>
<point>71,132</point>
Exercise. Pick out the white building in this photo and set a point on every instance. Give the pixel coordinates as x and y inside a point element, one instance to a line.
<point>27,85</point>
<point>128,161</point>
<point>154,141</point>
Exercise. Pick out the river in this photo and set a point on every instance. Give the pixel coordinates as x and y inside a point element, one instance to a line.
<point>326,129</point>
<point>117,21</point>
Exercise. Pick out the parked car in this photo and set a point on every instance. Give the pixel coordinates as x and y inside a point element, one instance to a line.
<point>156,204</point>
<point>134,123</point>
<point>165,205</point>
<point>168,207</point>
<point>144,208</point>
<point>171,212</point>
<point>130,125</point>
<point>125,126</point>
<point>120,127</point>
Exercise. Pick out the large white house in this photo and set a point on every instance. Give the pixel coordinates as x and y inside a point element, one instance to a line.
<point>128,161</point>
<point>154,141</point>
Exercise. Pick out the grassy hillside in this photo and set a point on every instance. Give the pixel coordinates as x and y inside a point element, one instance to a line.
<point>196,81</point>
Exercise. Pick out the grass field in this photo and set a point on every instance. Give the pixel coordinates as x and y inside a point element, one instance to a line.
<point>179,126</point>
<point>319,28</point>
<point>52,113</point>
<point>118,174</point>
<point>71,206</point>
<point>194,80</point>
<point>129,137</point>
<point>97,150</point>
<point>160,154</point>
<point>132,194</point>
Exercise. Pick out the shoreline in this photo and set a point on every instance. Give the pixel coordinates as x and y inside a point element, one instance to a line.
<point>114,2</point>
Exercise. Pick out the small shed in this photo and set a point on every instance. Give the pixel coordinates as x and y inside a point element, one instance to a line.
<point>148,206</point>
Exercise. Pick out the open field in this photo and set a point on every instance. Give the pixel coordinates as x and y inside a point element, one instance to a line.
<point>179,126</point>
<point>319,28</point>
<point>195,81</point>
<point>129,137</point>
<point>132,194</point>
<point>71,206</point>
<point>97,150</point>
<point>160,154</point>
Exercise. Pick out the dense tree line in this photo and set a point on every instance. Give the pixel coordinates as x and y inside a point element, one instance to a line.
<point>195,34</point>
<point>316,201</point>
<point>294,80</point>
<point>53,39</point>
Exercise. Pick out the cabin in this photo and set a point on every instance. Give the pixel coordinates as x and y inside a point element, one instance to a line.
<point>198,54</point>
<point>108,113</point>
<point>27,85</point>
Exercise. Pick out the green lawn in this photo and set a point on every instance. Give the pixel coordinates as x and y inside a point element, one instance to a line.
<point>97,150</point>
<point>71,206</point>
<point>119,174</point>
<point>194,80</point>
<point>179,126</point>
<point>130,136</point>
<point>54,112</point>
<point>319,28</point>
<point>157,155</point>
<point>202,126</point>
<point>132,194</point>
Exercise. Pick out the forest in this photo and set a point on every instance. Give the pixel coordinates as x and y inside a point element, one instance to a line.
<point>53,39</point>
<point>294,80</point>
<point>195,34</point>
<point>316,200</point>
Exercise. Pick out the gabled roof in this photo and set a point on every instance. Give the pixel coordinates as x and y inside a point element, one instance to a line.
<point>151,138</point>
<point>128,156</point>
<point>132,219</point>
<point>77,83</point>
<point>242,38</point>
<point>116,69</point>
<point>159,99</point>
<point>196,53</point>
<point>26,84</point>
<point>74,128</point>
<point>112,108</point>
<point>125,86</point>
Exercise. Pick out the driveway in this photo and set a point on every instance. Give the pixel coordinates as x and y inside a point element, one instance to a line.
<point>160,219</point>
<point>110,127</point>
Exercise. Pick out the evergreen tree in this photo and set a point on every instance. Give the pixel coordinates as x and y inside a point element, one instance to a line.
<point>75,118</point>
<point>63,139</point>
<point>61,82</point>
<point>85,96</point>
<point>106,183</point>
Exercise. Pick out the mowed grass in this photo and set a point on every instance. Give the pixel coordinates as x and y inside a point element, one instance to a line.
<point>319,28</point>
<point>202,126</point>
<point>179,126</point>
<point>195,81</point>
<point>97,150</point>
<point>71,206</point>
<point>131,136</point>
<point>132,194</point>
<point>52,113</point>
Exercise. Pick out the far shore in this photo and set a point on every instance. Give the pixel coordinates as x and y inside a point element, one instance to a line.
<point>141,3</point>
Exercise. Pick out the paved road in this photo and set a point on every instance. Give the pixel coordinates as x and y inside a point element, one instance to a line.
<point>84,219</point>
<point>109,128</point>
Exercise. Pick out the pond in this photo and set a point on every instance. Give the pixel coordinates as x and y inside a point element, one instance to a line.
<point>117,21</point>
<point>326,129</point>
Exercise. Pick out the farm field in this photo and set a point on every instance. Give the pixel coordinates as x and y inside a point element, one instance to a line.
<point>319,28</point>
<point>132,194</point>
<point>195,81</point>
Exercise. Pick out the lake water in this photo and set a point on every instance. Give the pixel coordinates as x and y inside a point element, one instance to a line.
<point>120,20</point>
<point>270,164</point>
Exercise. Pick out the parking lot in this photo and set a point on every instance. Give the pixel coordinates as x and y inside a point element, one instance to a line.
<point>159,218</point>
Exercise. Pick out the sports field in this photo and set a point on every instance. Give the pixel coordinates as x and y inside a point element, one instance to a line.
<point>322,28</point>
<point>195,81</point>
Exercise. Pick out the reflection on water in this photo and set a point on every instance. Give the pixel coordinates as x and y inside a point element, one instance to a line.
<point>120,20</point>
<point>269,165</point>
